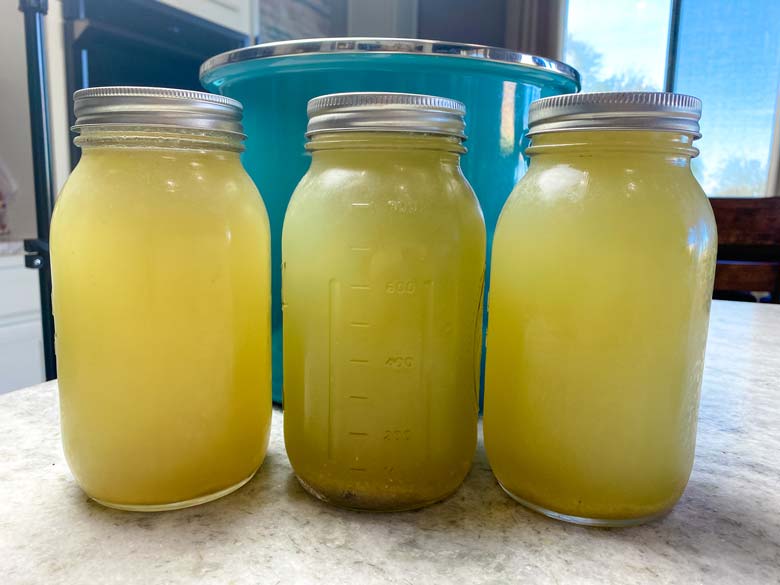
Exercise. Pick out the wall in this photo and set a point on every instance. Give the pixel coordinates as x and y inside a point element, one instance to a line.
<point>281,20</point>
<point>59,126</point>
<point>233,14</point>
<point>463,21</point>
<point>382,18</point>
<point>15,149</point>
<point>21,348</point>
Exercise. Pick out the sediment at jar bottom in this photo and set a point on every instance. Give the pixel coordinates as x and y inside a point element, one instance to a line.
<point>382,494</point>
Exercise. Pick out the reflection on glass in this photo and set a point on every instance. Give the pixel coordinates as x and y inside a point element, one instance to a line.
<point>508,117</point>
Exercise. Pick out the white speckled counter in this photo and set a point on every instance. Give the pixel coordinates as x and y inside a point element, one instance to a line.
<point>726,528</point>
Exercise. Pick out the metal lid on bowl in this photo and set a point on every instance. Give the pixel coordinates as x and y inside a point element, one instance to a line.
<point>386,112</point>
<point>628,110</point>
<point>390,45</point>
<point>156,106</point>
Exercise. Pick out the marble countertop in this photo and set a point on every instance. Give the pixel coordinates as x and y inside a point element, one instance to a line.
<point>726,528</point>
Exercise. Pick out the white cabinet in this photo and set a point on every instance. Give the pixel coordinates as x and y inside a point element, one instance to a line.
<point>232,14</point>
<point>21,344</point>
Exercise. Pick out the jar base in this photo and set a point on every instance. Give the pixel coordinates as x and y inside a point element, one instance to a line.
<point>176,505</point>
<point>582,520</point>
<point>343,503</point>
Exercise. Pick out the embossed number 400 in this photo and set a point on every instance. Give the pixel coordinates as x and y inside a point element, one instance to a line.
<point>400,361</point>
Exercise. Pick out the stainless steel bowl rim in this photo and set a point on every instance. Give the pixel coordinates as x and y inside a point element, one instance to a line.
<point>390,45</point>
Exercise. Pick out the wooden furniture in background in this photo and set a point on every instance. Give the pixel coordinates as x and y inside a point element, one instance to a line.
<point>748,244</point>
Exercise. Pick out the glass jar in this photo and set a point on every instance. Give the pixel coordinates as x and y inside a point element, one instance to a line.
<point>160,259</point>
<point>383,252</point>
<point>603,267</point>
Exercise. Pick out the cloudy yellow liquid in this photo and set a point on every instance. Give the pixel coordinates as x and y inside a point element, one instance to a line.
<point>602,272</point>
<point>383,259</point>
<point>161,301</point>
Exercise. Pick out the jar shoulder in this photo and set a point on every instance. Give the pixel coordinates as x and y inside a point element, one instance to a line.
<point>327,202</point>
<point>427,188</point>
<point>158,174</point>
<point>136,192</point>
<point>598,188</point>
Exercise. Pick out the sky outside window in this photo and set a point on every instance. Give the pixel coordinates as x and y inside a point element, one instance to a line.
<point>618,44</point>
<point>729,56</point>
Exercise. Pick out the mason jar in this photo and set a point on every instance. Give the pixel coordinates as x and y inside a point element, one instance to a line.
<point>160,259</point>
<point>383,253</point>
<point>603,266</point>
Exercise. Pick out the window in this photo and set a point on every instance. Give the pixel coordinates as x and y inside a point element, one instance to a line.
<point>618,45</point>
<point>725,52</point>
<point>728,54</point>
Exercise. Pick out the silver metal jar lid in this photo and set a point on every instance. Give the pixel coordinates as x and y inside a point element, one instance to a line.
<point>386,112</point>
<point>384,45</point>
<point>156,106</point>
<point>629,110</point>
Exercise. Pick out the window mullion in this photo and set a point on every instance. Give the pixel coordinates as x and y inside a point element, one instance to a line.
<point>773,180</point>
<point>671,46</point>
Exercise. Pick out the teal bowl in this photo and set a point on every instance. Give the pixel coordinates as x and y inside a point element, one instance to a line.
<point>274,81</point>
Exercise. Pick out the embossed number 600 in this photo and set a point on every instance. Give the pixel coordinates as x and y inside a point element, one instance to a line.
<point>401,287</point>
